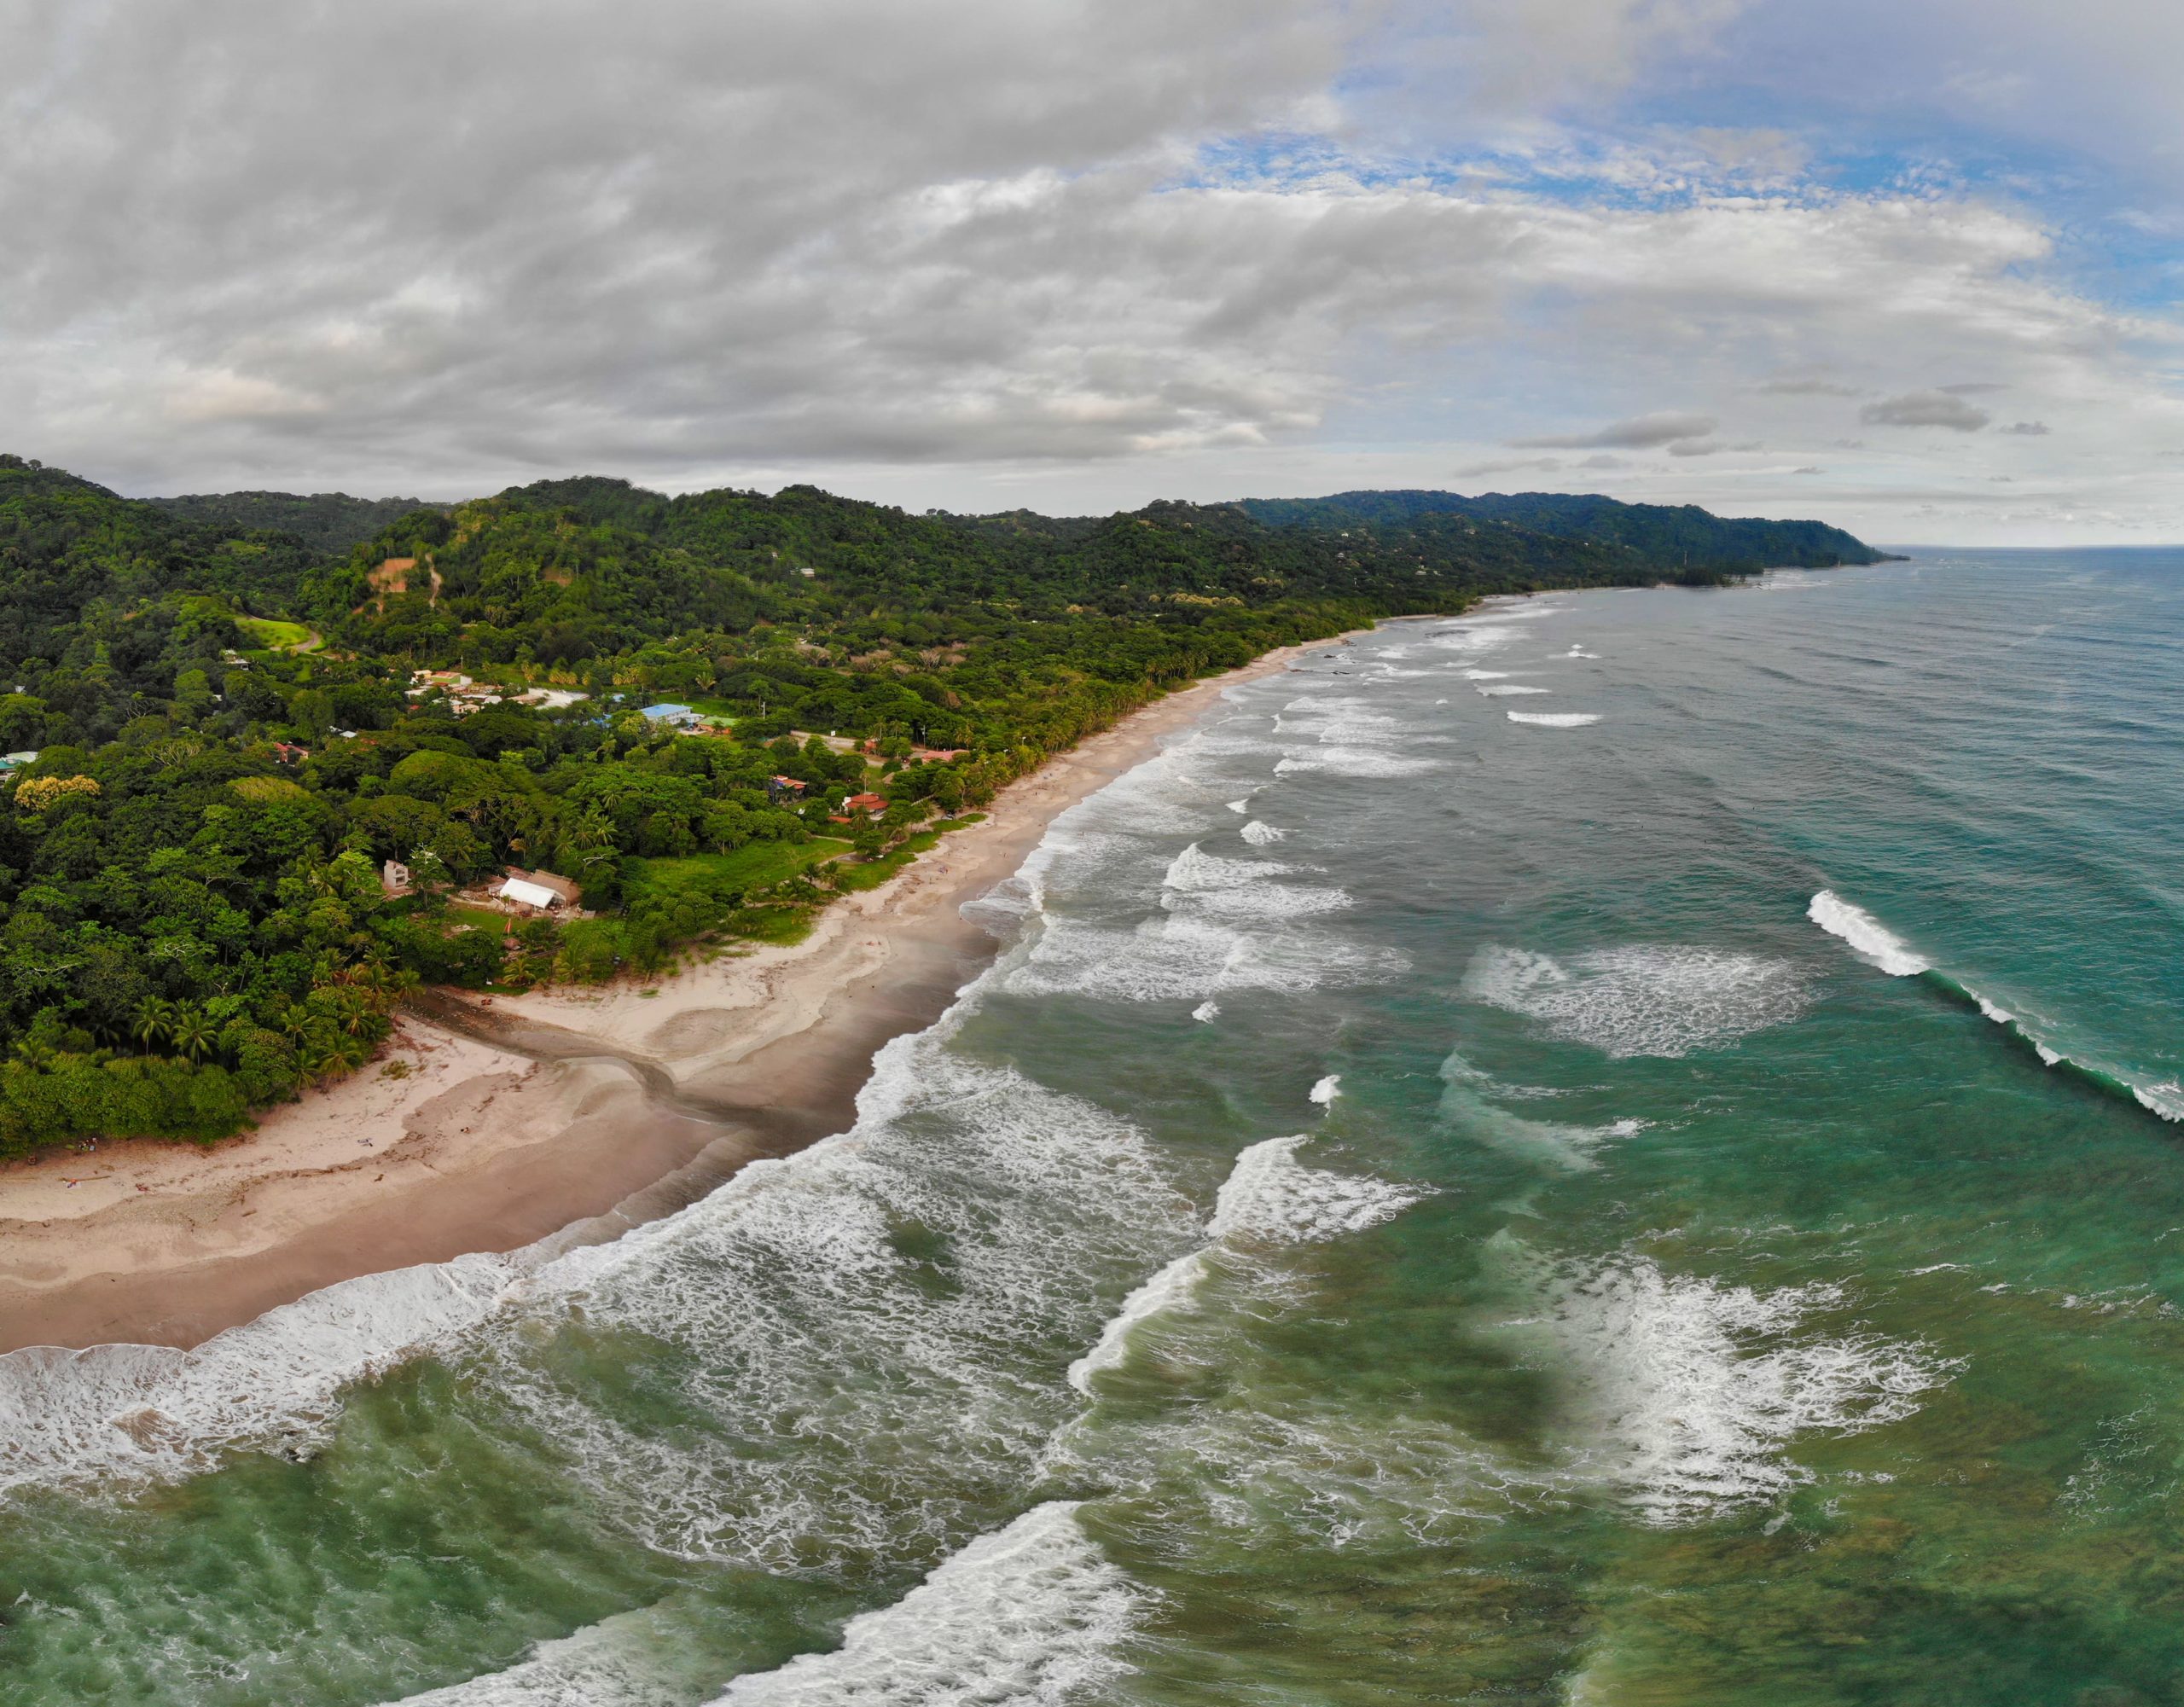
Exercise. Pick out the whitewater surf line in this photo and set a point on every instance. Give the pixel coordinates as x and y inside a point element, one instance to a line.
<point>1880,948</point>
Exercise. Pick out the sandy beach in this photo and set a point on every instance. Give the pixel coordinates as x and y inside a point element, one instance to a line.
<point>485,1126</point>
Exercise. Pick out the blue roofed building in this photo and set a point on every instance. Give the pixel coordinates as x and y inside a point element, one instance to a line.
<point>677,716</point>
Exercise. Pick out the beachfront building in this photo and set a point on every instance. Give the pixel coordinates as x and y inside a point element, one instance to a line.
<point>785,790</point>
<point>674,716</point>
<point>543,891</point>
<point>394,878</point>
<point>872,803</point>
<point>16,761</point>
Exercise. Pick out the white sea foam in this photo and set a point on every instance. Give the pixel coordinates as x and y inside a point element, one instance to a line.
<point>1486,674</point>
<point>1682,1392</point>
<point>1872,941</point>
<point>1354,761</point>
<point>1554,720</point>
<point>1182,954</point>
<point>1272,1198</point>
<point>1242,805</point>
<point>1328,1090</point>
<point>635,1659</point>
<point>1033,1616</point>
<point>1203,885</point>
<point>1467,1105</point>
<point>1645,999</point>
<point>1472,642</point>
<point>1503,689</point>
<point>123,1413</point>
<point>749,1305</point>
<point>1206,1011</point>
<point>1340,727</point>
<point>1260,835</point>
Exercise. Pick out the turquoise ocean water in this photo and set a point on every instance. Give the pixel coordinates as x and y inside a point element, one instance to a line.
<point>1620,1150</point>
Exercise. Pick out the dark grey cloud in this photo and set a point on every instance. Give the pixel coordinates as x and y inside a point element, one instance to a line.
<point>1926,409</point>
<point>2026,429</point>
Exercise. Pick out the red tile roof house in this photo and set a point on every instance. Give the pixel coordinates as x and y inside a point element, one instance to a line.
<point>777,786</point>
<point>873,804</point>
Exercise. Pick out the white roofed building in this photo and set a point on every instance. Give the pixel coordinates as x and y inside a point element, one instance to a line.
<point>529,894</point>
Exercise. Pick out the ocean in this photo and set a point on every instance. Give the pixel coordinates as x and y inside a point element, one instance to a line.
<point>1619,1149</point>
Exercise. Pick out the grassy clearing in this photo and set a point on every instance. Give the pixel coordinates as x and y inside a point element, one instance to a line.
<point>274,635</point>
<point>861,875</point>
<point>751,867</point>
<point>778,926</point>
<point>479,917</point>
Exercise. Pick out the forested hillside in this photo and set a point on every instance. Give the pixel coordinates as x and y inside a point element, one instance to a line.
<point>230,738</point>
<point>1682,537</point>
<point>325,521</point>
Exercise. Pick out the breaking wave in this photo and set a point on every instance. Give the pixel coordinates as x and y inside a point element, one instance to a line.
<point>1268,1198</point>
<point>1872,941</point>
<point>1554,720</point>
<point>1354,761</point>
<point>1881,947</point>
<point>129,1414</point>
<point>1503,689</point>
<point>1033,1614</point>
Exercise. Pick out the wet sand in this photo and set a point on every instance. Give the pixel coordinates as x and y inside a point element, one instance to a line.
<point>580,1112</point>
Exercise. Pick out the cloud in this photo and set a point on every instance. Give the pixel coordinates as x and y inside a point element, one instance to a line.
<point>1640,433</point>
<point>972,255</point>
<point>1972,388</point>
<point>2026,429</point>
<point>1810,388</point>
<point>1512,465</point>
<point>1926,409</point>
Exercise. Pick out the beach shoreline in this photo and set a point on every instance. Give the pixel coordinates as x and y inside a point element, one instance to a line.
<point>573,1111</point>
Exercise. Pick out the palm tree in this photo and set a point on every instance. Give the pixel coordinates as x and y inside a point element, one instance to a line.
<point>192,1032</point>
<point>154,1016</point>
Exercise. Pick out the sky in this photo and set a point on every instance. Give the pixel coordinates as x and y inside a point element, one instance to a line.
<point>1910,266</point>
